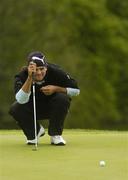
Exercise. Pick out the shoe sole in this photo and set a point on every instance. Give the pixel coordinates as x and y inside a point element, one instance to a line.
<point>29,143</point>
<point>59,144</point>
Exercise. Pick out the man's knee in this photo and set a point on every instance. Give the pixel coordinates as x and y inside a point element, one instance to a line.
<point>20,112</point>
<point>62,99</point>
<point>17,110</point>
<point>13,108</point>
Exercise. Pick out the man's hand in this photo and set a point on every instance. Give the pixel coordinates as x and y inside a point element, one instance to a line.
<point>27,85</point>
<point>48,90</point>
<point>31,68</point>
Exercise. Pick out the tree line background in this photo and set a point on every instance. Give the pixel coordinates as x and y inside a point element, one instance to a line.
<point>88,38</point>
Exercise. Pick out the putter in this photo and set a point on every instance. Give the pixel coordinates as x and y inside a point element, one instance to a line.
<point>34,107</point>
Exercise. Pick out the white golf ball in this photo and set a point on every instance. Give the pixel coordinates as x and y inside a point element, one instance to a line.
<point>102,163</point>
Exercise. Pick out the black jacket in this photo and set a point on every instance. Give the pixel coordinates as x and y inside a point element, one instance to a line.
<point>54,76</point>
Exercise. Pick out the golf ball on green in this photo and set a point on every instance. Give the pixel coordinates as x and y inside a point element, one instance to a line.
<point>102,163</point>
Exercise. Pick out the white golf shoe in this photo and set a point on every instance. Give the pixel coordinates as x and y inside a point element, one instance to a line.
<point>40,133</point>
<point>58,140</point>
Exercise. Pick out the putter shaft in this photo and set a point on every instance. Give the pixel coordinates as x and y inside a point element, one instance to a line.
<point>34,107</point>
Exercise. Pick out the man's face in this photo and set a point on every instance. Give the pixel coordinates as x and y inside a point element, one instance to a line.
<point>40,73</point>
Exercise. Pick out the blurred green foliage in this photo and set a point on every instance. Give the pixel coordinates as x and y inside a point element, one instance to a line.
<point>88,38</point>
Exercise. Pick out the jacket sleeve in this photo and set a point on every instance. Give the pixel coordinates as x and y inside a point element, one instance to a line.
<point>19,80</point>
<point>18,83</point>
<point>20,95</point>
<point>65,80</point>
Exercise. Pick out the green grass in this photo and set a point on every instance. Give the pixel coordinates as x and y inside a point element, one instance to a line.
<point>78,160</point>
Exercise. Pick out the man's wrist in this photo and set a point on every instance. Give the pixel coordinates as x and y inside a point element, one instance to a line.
<point>61,89</point>
<point>29,77</point>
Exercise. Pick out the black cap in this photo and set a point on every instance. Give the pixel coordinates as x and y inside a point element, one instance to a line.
<point>38,58</point>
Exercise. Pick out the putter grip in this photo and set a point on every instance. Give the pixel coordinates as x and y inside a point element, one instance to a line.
<point>33,76</point>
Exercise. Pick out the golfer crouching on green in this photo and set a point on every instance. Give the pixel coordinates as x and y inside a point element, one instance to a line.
<point>53,91</point>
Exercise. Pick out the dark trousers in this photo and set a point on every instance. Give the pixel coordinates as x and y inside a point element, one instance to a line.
<point>55,109</point>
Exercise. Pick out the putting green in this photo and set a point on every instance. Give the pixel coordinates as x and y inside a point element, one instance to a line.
<point>78,160</point>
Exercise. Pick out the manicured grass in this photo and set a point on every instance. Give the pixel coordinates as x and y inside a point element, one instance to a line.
<point>78,160</point>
